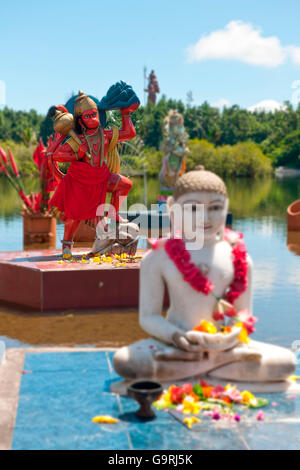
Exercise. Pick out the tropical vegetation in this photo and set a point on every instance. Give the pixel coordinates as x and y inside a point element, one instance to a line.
<point>232,141</point>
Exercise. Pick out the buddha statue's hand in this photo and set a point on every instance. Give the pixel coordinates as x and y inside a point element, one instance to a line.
<point>182,342</point>
<point>214,342</point>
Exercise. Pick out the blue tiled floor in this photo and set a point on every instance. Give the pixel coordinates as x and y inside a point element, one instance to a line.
<point>63,392</point>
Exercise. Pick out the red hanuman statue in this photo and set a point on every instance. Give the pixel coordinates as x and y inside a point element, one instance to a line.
<point>83,189</point>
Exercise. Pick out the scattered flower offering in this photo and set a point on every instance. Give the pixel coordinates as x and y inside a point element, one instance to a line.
<point>105,419</point>
<point>190,421</point>
<point>216,403</point>
<point>260,415</point>
<point>115,260</point>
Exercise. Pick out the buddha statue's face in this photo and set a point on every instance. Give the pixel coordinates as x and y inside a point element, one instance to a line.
<point>211,221</point>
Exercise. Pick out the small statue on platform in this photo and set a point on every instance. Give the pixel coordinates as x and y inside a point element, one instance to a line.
<point>153,88</point>
<point>207,285</point>
<point>95,166</point>
<point>175,148</point>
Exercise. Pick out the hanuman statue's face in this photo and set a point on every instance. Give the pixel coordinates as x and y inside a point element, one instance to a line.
<point>215,207</point>
<point>90,118</point>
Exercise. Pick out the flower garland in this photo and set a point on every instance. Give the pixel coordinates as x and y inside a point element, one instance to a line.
<point>175,248</point>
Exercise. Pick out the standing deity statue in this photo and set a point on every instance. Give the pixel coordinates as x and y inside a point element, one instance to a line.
<point>82,140</point>
<point>153,87</point>
<point>175,148</point>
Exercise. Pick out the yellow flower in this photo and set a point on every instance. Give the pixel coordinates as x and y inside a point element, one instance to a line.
<point>191,407</point>
<point>165,400</point>
<point>60,262</point>
<point>243,336</point>
<point>191,420</point>
<point>248,397</point>
<point>105,419</point>
<point>294,378</point>
<point>66,256</point>
<point>206,327</point>
<point>96,259</point>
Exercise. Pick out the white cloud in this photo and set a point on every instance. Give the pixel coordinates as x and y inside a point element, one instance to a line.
<point>221,103</point>
<point>294,53</point>
<point>267,105</point>
<point>243,42</point>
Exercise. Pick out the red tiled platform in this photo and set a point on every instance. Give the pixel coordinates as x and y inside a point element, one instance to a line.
<point>35,279</point>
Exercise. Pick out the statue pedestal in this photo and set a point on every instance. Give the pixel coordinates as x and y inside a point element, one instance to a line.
<point>35,279</point>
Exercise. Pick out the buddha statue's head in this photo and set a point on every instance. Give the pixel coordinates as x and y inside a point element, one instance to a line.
<point>195,190</point>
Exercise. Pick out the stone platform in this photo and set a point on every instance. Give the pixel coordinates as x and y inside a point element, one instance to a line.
<point>48,397</point>
<point>36,279</point>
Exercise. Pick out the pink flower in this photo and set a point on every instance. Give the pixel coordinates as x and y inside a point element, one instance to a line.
<point>237,418</point>
<point>260,415</point>
<point>233,394</point>
<point>249,324</point>
<point>274,403</point>
<point>243,314</point>
<point>216,416</point>
<point>217,391</point>
<point>247,320</point>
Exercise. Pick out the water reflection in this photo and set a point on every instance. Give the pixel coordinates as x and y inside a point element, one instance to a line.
<point>293,242</point>
<point>110,328</point>
<point>248,198</point>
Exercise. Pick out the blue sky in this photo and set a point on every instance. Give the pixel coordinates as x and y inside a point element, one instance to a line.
<point>249,52</point>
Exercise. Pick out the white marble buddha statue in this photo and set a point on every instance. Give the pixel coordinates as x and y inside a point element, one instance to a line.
<point>175,351</point>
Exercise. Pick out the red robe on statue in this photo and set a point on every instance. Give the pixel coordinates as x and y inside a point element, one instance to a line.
<point>81,191</point>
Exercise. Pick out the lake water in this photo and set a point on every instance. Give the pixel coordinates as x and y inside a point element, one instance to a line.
<point>259,211</point>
